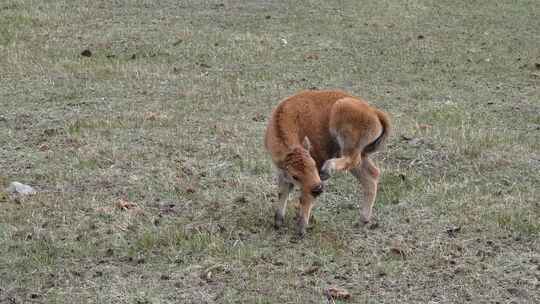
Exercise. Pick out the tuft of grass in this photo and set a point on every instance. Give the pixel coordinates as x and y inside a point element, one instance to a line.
<point>520,222</point>
<point>396,186</point>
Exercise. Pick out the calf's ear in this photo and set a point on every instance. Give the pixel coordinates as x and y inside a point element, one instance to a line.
<point>307,144</point>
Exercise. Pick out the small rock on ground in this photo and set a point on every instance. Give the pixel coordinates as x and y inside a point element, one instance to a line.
<point>19,188</point>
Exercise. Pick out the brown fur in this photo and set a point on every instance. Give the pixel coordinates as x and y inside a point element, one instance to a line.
<point>314,133</point>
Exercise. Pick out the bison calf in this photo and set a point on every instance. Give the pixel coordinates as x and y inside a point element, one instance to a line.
<point>314,133</point>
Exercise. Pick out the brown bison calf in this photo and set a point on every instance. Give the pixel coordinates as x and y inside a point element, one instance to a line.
<point>314,133</point>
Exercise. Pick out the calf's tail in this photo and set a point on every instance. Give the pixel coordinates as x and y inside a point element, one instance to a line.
<point>379,142</point>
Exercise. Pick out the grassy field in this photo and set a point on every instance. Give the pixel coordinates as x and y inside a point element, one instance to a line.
<point>154,186</point>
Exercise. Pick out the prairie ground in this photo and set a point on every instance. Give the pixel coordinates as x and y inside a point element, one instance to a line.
<point>140,124</point>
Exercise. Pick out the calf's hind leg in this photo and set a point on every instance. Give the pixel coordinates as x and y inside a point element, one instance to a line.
<point>347,162</point>
<point>285,188</point>
<point>368,176</point>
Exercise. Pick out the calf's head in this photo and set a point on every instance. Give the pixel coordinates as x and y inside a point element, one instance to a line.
<point>301,169</point>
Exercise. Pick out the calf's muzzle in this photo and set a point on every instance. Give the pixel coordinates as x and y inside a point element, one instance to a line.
<point>317,190</point>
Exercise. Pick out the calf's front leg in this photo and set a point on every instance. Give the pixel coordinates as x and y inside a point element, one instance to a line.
<point>285,188</point>
<point>304,212</point>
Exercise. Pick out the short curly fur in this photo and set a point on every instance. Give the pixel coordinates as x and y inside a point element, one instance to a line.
<point>296,159</point>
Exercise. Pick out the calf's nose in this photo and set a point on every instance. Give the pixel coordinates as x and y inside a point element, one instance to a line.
<point>315,191</point>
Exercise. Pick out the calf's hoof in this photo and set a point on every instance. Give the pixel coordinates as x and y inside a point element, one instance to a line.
<point>326,170</point>
<point>371,225</point>
<point>301,233</point>
<point>365,218</point>
<point>324,175</point>
<point>278,220</point>
<point>301,228</point>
